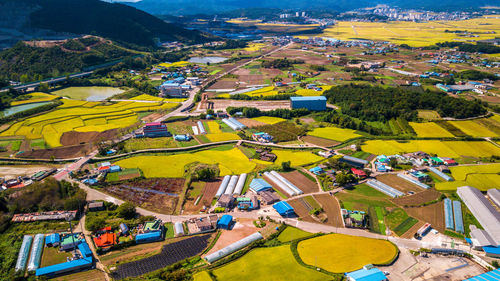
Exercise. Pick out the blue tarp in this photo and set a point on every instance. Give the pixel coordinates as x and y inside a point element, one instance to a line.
<point>373,274</point>
<point>284,209</point>
<point>62,267</point>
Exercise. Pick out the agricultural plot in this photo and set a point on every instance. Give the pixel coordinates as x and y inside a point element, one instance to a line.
<point>399,221</point>
<point>283,131</point>
<point>433,214</point>
<point>145,97</point>
<point>351,252</point>
<point>222,137</point>
<point>473,129</point>
<point>429,115</point>
<point>302,209</point>
<point>80,116</point>
<point>454,149</point>
<point>230,162</point>
<point>482,177</point>
<point>311,92</point>
<point>263,264</point>
<point>170,254</point>
<point>296,158</point>
<point>301,181</point>
<point>202,276</point>
<point>149,143</point>
<point>94,275</point>
<point>291,233</point>
<point>319,141</point>
<point>331,208</point>
<point>334,133</point>
<point>156,194</point>
<point>430,130</point>
<point>34,97</point>
<point>88,93</point>
<point>398,183</point>
<point>126,174</point>
<point>418,198</point>
<point>413,34</point>
<point>269,120</point>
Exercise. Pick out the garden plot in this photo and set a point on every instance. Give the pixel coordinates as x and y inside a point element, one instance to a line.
<point>433,214</point>
<point>222,104</point>
<point>301,181</point>
<point>302,209</point>
<point>319,141</point>
<point>332,209</point>
<point>473,128</point>
<point>418,198</point>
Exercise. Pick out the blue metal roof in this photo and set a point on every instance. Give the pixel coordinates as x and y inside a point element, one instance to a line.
<point>52,238</point>
<point>283,208</point>
<point>493,275</point>
<point>85,250</point>
<point>315,98</point>
<point>147,236</point>
<point>53,269</point>
<point>259,185</point>
<point>373,274</point>
<point>225,220</point>
<point>492,250</point>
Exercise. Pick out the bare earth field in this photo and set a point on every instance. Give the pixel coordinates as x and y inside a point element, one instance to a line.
<point>262,105</point>
<point>9,172</point>
<point>332,209</point>
<point>241,229</point>
<point>75,138</point>
<point>301,181</point>
<point>58,152</point>
<point>301,209</point>
<point>250,123</point>
<point>433,214</point>
<point>208,194</point>
<point>418,198</point>
<point>398,183</point>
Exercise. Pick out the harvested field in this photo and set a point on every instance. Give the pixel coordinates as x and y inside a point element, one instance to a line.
<point>57,153</point>
<point>418,198</point>
<point>332,209</point>
<point>250,123</point>
<point>207,194</point>
<point>398,183</point>
<point>156,194</point>
<point>433,214</point>
<point>302,209</point>
<point>301,181</point>
<point>409,234</point>
<point>75,138</point>
<point>221,104</point>
<point>319,141</point>
<point>242,229</point>
<point>225,84</point>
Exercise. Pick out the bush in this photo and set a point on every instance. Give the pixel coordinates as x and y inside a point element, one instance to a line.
<point>95,224</point>
<point>126,211</point>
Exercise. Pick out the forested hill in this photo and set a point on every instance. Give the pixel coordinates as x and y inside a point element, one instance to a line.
<point>111,20</point>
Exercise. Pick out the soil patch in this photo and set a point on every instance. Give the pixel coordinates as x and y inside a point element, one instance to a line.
<point>398,183</point>
<point>58,152</point>
<point>417,199</point>
<point>433,214</point>
<point>250,123</point>
<point>301,181</point>
<point>242,229</point>
<point>319,141</point>
<point>301,209</point>
<point>332,209</point>
<point>76,138</point>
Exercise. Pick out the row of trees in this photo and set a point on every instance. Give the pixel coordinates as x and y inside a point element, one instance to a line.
<point>250,112</point>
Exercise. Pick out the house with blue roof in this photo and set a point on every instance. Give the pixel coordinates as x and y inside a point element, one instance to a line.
<point>225,222</point>
<point>365,274</point>
<point>284,209</point>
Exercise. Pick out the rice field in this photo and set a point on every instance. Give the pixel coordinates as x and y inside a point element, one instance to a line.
<point>473,128</point>
<point>341,253</point>
<point>34,97</point>
<point>297,158</point>
<point>174,64</point>
<point>146,97</point>
<point>222,137</point>
<point>80,116</point>
<point>430,130</point>
<point>95,93</point>
<point>482,177</point>
<point>454,149</point>
<point>213,127</point>
<point>334,133</point>
<point>311,92</point>
<point>231,161</point>
<point>264,92</point>
<point>270,263</point>
<point>412,33</point>
<point>254,47</point>
<point>269,120</point>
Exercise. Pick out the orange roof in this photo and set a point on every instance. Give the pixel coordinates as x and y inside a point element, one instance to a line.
<point>105,240</point>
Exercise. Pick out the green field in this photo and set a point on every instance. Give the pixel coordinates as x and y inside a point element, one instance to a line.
<point>81,116</point>
<point>84,93</point>
<point>34,97</point>
<point>399,221</point>
<point>297,158</point>
<point>149,143</point>
<point>291,233</point>
<point>340,253</point>
<point>430,130</point>
<point>454,149</point>
<point>334,133</point>
<point>230,162</point>
<point>482,177</point>
<point>273,263</point>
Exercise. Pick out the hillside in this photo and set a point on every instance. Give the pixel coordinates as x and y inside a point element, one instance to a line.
<point>180,7</point>
<point>56,19</point>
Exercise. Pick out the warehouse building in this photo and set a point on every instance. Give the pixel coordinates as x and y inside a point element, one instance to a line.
<point>148,237</point>
<point>259,185</point>
<point>154,130</point>
<point>225,222</point>
<point>488,276</point>
<point>71,266</point>
<point>353,161</point>
<point>367,273</point>
<point>284,209</point>
<point>483,211</point>
<point>494,195</point>
<point>310,103</point>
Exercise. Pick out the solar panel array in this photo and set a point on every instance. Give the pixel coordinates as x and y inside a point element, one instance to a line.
<point>170,254</point>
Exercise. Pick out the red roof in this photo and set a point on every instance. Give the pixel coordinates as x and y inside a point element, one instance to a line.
<point>105,240</point>
<point>103,168</point>
<point>450,161</point>
<point>153,124</point>
<point>17,185</point>
<point>358,172</point>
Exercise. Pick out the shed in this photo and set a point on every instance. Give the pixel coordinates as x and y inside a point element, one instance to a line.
<point>353,161</point>
<point>284,209</point>
<point>493,252</point>
<point>124,228</point>
<point>85,250</point>
<point>148,237</point>
<point>316,103</point>
<point>114,169</point>
<point>96,206</point>
<point>225,222</point>
<point>52,240</point>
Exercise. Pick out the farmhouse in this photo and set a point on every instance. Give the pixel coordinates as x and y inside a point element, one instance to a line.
<point>310,103</point>
<point>105,240</point>
<point>360,174</point>
<point>153,130</point>
<point>262,137</point>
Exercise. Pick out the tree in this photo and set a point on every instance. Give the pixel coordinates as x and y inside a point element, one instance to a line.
<point>286,166</point>
<point>95,224</point>
<point>44,87</point>
<point>393,162</point>
<point>126,210</point>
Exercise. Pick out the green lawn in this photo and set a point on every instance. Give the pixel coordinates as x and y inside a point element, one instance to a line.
<point>291,233</point>
<point>405,226</point>
<point>52,256</point>
<point>273,263</point>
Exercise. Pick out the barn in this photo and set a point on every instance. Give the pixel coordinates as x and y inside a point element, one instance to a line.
<point>259,185</point>
<point>225,222</point>
<point>311,103</point>
<point>284,209</point>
